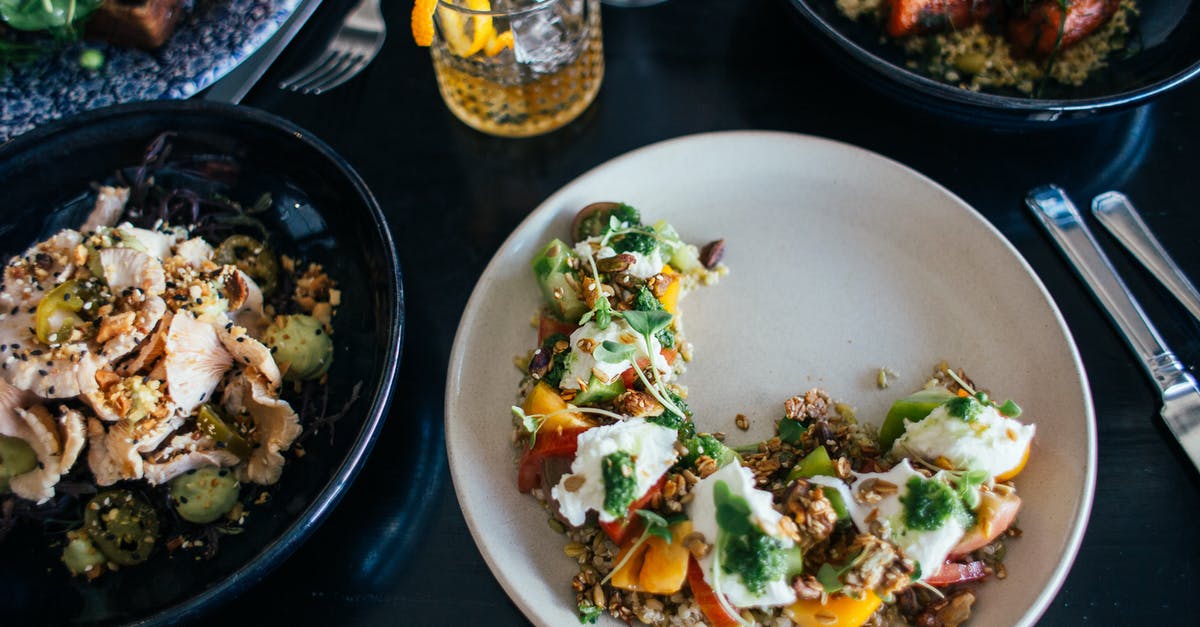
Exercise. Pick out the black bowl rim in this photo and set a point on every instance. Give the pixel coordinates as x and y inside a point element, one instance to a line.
<point>286,543</point>
<point>1049,109</point>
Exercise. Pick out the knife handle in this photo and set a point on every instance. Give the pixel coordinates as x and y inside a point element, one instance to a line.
<point>1063,221</point>
<point>1119,216</point>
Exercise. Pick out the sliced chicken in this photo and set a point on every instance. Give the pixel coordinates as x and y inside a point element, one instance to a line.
<point>110,202</point>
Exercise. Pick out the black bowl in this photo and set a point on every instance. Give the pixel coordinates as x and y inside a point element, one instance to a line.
<point>1168,32</point>
<point>323,211</point>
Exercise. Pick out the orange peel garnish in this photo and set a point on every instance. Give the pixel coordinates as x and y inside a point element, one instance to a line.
<point>422,22</point>
<point>498,43</point>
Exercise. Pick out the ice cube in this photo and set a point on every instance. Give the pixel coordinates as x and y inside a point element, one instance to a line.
<point>548,38</point>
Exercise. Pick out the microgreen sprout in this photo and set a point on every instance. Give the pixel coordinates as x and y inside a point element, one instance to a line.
<point>602,311</point>
<point>648,323</point>
<point>656,525</point>
<point>1008,409</point>
<point>532,423</point>
<point>589,614</point>
<point>830,576</point>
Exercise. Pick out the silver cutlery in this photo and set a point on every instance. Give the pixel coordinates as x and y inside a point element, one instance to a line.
<point>352,48</point>
<point>1121,218</point>
<point>1181,399</point>
<point>237,83</point>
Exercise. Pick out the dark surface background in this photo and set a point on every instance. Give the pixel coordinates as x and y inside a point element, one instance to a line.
<point>397,551</point>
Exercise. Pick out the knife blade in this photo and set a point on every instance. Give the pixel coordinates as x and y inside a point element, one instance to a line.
<point>237,83</point>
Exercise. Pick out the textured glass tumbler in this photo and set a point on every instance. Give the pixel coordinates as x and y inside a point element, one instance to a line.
<point>526,69</point>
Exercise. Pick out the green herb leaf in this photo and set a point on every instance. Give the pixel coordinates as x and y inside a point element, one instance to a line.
<point>1010,409</point>
<point>57,16</point>
<point>916,570</point>
<point>966,408</point>
<point>655,525</point>
<point>830,578</point>
<point>620,482</point>
<point>648,322</point>
<point>529,423</point>
<point>790,430</point>
<point>589,614</point>
<point>733,512</point>
<point>611,352</point>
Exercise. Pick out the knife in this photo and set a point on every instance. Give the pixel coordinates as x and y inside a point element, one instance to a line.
<point>237,83</point>
<point>1181,398</point>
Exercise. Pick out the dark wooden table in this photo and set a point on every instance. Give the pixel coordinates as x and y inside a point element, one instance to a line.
<point>397,551</point>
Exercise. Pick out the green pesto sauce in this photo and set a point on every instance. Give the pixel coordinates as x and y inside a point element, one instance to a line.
<point>928,503</point>
<point>746,551</point>
<point>966,408</point>
<point>755,557</point>
<point>620,483</point>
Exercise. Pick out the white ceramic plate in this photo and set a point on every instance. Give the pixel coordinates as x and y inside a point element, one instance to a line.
<point>841,262</point>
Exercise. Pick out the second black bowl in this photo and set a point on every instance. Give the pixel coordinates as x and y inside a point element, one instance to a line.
<point>1168,33</point>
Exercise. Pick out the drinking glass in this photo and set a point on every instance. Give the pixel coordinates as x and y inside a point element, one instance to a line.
<point>517,68</point>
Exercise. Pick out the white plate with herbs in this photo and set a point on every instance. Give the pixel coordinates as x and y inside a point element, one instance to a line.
<point>842,262</point>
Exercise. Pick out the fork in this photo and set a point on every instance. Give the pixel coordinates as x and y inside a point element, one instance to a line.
<point>356,43</point>
<point>1181,399</point>
<point>1116,213</point>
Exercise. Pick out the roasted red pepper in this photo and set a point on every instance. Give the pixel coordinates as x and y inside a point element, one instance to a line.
<point>631,525</point>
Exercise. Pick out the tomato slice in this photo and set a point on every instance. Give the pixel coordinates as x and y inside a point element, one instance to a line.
<point>550,443</point>
<point>706,598</point>
<point>957,572</point>
<point>629,376</point>
<point>622,530</point>
<point>549,325</point>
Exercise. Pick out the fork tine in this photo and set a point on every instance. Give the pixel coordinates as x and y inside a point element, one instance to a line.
<point>333,69</point>
<point>357,63</point>
<point>307,71</point>
<point>352,48</point>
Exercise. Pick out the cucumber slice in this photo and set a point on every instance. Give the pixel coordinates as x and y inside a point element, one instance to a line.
<point>819,463</point>
<point>551,267</point>
<point>599,392</point>
<point>914,408</point>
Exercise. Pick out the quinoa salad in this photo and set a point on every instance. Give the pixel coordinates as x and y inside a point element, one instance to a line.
<point>159,364</point>
<point>835,520</point>
<point>994,45</point>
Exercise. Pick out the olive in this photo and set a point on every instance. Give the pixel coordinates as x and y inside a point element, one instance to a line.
<point>81,555</point>
<point>210,422</point>
<point>204,494</point>
<point>122,525</point>
<point>300,345</point>
<point>592,219</point>
<point>16,457</point>
<point>252,257</point>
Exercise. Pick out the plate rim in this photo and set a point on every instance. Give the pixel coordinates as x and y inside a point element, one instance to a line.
<point>459,350</point>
